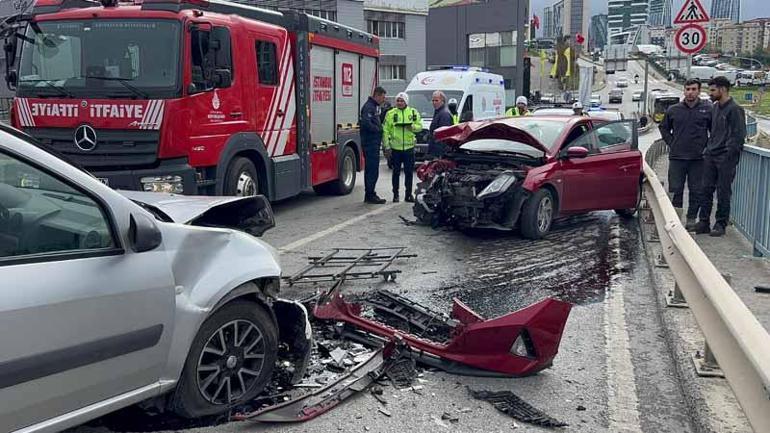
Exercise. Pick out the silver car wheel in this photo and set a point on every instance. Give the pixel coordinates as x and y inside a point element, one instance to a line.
<point>246,186</point>
<point>347,171</point>
<point>544,214</point>
<point>230,362</point>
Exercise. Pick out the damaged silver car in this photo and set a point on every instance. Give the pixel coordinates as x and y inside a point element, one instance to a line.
<point>108,299</point>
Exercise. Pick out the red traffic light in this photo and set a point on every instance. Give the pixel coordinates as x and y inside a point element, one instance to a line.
<point>579,38</point>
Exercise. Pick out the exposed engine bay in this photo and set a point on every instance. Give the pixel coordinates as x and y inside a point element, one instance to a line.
<point>471,191</point>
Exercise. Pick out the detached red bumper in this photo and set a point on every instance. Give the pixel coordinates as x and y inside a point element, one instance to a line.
<point>516,344</point>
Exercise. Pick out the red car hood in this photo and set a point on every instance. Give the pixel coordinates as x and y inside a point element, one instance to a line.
<point>456,135</point>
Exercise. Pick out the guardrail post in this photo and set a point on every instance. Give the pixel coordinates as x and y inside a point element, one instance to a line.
<point>706,364</point>
<point>675,299</point>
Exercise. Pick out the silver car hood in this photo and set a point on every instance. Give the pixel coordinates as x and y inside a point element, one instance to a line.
<point>252,215</point>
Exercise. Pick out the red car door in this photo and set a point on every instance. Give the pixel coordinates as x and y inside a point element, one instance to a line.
<point>619,165</point>
<point>579,176</point>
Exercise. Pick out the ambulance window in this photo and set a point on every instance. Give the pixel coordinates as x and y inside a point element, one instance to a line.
<point>467,112</point>
<point>267,67</point>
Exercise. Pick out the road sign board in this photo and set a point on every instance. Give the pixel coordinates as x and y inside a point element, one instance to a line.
<point>690,38</point>
<point>692,12</point>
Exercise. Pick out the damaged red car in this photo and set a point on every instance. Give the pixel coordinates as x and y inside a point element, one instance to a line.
<point>524,172</point>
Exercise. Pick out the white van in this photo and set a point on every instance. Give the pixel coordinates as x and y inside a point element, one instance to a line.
<point>480,95</point>
<point>703,73</point>
<point>731,75</point>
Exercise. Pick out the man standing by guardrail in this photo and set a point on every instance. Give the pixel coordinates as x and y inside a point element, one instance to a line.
<point>728,133</point>
<point>685,129</point>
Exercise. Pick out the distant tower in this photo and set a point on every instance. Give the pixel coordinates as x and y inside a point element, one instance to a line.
<point>730,9</point>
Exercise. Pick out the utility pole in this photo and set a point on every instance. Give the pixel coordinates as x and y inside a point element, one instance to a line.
<point>646,79</point>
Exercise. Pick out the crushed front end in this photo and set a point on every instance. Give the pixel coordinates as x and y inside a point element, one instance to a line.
<point>474,195</point>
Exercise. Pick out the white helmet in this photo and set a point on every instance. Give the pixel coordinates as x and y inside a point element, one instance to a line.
<point>577,105</point>
<point>452,101</point>
<point>521,100</point>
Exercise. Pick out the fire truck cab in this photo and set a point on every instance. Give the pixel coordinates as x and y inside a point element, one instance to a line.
<point>195,96</point>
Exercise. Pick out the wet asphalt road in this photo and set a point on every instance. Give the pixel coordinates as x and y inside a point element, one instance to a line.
<point>613,373</point>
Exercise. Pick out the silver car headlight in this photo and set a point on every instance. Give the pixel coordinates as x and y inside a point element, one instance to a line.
<point>498,186</point>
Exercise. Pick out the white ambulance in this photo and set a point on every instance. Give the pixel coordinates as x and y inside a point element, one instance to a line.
<point>480,95</point>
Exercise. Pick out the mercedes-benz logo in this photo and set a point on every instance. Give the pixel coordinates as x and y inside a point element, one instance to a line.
<point>85,138</point>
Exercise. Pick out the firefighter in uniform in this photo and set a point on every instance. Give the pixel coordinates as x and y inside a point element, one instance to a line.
<point>452,106</point>
<point>398,140</point>
<point>520,109</point>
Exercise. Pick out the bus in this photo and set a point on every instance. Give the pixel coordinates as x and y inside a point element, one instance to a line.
<point>658,103</point>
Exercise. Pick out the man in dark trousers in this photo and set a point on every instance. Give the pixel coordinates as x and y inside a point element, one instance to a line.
<point>371,140</point>
<point>441,117</point>
<point>728,133</point>
<point>685,128</point>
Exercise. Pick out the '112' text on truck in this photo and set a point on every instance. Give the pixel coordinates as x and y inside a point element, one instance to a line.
<point>195,96</point>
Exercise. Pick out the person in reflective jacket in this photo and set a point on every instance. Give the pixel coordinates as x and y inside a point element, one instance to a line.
<point>398,140</point>
<point>452,106</point>
<point>520,109</point>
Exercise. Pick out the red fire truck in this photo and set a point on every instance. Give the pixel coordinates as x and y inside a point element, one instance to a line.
<point>194,96</point>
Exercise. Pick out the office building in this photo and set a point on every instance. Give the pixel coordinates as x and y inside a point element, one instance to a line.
<point>623,14</point>
<point>730,9</point>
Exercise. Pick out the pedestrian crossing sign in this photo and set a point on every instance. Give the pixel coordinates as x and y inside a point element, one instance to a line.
<point>692,12</point>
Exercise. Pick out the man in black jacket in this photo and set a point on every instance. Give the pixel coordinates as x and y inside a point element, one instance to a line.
<point>441,117</point>
<point>371,140</point>
<point>721,156</point>
<point>685,129</point>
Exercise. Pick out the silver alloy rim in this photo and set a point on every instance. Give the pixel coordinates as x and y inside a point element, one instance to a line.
<point>231,362</point>
<point>347,171</point>
<point>246,186</point>
<point>544,214</point>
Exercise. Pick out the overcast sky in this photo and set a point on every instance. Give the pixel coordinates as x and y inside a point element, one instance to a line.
<point>750,8</point>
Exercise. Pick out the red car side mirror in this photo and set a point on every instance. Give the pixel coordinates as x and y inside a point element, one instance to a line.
<point>577,152</point>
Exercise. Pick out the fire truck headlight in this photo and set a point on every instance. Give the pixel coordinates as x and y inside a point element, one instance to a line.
<point>168,184</point>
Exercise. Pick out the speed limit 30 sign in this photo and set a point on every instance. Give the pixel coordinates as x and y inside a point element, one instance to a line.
<point>690,38</point>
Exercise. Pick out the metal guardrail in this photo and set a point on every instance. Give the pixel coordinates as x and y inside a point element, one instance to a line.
<point>738,342</point>
<point>751,198</point>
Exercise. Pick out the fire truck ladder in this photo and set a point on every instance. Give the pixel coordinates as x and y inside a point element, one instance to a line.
<point>351,264</point>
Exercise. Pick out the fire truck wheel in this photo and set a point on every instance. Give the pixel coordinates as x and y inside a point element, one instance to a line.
<point>346,179</point>
<point>241,178</point>
<point>229,363</point>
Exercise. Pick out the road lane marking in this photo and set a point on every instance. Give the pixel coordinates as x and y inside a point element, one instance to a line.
<point>621,382</point>
<point>335,228</point>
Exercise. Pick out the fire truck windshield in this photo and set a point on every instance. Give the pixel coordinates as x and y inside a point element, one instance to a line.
<point>101,59</point>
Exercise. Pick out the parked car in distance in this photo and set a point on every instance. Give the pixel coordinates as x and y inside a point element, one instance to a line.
<point>524,172</point>
<point>118,298</point>
<point>616,96</point>
<point>596,99</point>
<point>622,82</point>
<point>547,98</point>
<point>637,95</point>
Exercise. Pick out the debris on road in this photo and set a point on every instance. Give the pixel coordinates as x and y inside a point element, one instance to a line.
<point>510,404</point>
<point>447,416</point>
<point>402,373</point>
<point>762,289</point>
<point>306,406</point>
<point>350,264</point>
<point>516,344</point>
<point>380,335</point>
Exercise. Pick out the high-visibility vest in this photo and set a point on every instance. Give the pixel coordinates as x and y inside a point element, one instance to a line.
<point>514,111</point>
<point>455,119</point>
